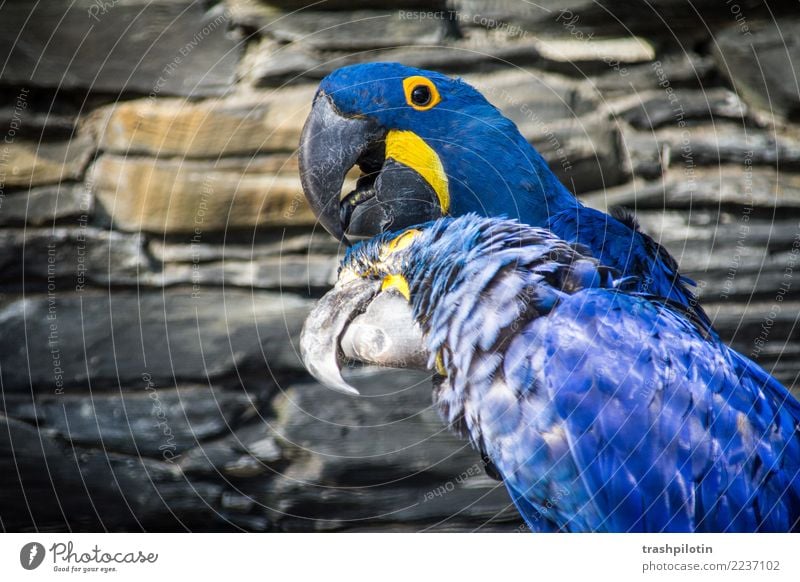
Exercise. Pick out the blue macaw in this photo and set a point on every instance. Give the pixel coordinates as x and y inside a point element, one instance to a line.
<point>601,407</point>
<point>430,146</point>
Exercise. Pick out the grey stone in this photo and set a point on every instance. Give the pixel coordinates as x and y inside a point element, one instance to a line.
<point>56,45</point>
<point>270,244</point>
<point>56,487</point>
<point>32,123</point>
<point>286,272</point>
<point>265,450</point>
<point>253,13</point>
<point>77,340</point>
<point>760,59</point>
<point>46,205</point>
<point>660,19</point>
<point>734,144</point>
<point>236,502</point>
<point>244,467</point>
<point>734,256</point>
<point>657,108</point>
<point>354,30</point>
<point>147,420</point>
<point>559,117</point>
<point>685,70</point>
<point>385,456</point>
<point>269,62</point>
<point>683,148</point>
<point>705,187</point>
<point>74,256</point>
<point>221,456</point>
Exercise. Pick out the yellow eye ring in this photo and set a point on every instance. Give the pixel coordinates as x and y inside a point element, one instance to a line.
<point>421,93</point>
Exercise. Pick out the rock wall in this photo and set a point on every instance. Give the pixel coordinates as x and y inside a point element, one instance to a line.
<point>158,258</point>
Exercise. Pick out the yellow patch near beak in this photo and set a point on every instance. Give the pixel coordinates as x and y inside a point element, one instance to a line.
<point>396,282</point>
<point>398,244</point>
<point>440,369</point>
<point>407,148</point>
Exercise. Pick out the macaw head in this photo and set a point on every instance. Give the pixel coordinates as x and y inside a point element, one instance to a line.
<point>399,296</point>
<point>427,145</point>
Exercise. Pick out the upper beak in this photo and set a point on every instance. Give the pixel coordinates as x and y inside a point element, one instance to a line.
<point>359,322</point>
<point>389,195</point>
<point>329,146</point>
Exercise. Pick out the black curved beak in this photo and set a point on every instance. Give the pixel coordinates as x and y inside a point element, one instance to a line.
<point>356,321</point>
<point>388,195</point>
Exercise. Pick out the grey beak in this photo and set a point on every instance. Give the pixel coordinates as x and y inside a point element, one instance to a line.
<point>329,146</point>
<point>356,321</point>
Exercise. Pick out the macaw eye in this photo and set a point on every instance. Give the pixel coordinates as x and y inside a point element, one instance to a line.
<point>421,93</point>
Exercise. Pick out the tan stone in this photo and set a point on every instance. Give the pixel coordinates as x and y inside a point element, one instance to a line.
<point>26,163</point>
<point>609,50</point>
<point>140,193</point>
<point>262,121</point>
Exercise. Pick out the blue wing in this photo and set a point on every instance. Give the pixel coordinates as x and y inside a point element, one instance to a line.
<point>616,241</point>
<point>646,423</point>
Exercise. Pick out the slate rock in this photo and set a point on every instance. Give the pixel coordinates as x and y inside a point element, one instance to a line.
<point>580,57</point>
<point>252,12</point>
<point>147,420</point>
<point>270,244</point>
<point>382,457</point>
<point>733,256</point>
<point>56,45</point>
<point>764,334</point>
<point>46,205</point>
<point>27,117</point>
<point>683,148</point>
<point>253,442</point>
<point>663,20</point>
<point>55,488</point>
<point>76,257</point>
<point>733,143</point>
<point>33,468</point>
<point>684,70</point>
<point>657,108</point>
<point>727,185</point>
<point>268,63</point>
<point>559,117</point>
<point>760,59</point>
<point>74,339</point>
<point>354,30</point>
<point>316,272</point>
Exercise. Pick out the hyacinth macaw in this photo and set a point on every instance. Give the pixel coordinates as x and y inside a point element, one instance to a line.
<point>602,408</point>
<point>430,145</point>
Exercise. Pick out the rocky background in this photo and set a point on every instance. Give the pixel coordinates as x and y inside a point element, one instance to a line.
<point>158,258</point>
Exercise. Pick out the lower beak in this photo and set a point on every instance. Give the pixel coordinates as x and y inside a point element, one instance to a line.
<point>357,321</point>
<point>401,198</point>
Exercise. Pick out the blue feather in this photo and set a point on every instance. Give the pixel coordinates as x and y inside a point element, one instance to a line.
<point>638,416</point>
